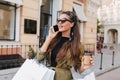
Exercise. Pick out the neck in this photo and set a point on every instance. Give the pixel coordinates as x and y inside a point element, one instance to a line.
<point>66,34</point>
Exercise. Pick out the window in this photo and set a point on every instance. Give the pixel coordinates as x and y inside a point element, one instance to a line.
<point>78,8</point>
<point>30,26</point>
<point>7,22</point>
<point>46,19</point>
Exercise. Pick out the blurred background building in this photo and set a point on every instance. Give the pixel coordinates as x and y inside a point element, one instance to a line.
<point>108,15</point>
<point>26,22</point>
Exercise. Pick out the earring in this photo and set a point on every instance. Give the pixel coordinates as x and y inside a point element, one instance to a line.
<point>70,39</point>
<point>71,36</point>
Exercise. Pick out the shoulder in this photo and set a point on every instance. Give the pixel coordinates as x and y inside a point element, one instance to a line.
<point>81,48</point>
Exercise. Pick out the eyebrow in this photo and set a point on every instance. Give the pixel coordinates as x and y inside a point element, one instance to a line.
<point>64,18</point>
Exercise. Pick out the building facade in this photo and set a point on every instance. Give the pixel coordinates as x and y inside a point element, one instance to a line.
<point>109,17</point>
<point>26,22</point>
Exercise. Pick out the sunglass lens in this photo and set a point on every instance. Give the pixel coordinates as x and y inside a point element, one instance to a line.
<point>58,21</point>
<point>62,21</point>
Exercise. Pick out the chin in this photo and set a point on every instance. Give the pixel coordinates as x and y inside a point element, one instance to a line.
<point>60,30</point>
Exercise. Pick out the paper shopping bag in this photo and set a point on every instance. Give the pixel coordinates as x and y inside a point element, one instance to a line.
<point>49,75</point>
<point>86,75</point>
<point>90,76</point>
<point>32,70</point>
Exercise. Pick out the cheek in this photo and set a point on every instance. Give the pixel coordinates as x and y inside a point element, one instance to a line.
<point>68,26</point>
<point>65,26</point>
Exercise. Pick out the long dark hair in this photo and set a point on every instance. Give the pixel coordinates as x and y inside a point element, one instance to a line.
<point>73,44</point>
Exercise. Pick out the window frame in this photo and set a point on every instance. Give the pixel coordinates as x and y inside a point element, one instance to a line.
<point>30,26</point>
<point>14,21</point>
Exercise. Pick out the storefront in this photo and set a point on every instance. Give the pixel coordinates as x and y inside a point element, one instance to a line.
<point>9,32</point>
<point>50,12</point>
<point>26,22</point>
<point>79,9</point>
<point>10,20</point>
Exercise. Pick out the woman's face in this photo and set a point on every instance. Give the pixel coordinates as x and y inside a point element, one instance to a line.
<point>64,23</point>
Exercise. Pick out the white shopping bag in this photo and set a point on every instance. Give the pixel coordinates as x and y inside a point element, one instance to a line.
<point>32,70</point>
<point>86,75</point>
<point>90,76</point>
<point>49,75</point>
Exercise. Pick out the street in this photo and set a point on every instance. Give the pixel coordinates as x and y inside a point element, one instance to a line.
<point>110,75</point>
<point>108,71</point>
<point>93,23</point>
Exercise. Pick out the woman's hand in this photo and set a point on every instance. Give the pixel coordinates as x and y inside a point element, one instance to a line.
<point>50,36</point>
<point>52,33</point>
<point>31,53</point>
<point>86,66</point>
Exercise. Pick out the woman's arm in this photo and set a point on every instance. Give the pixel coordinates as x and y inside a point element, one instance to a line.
<point>44,47</point>
<point>83,59</point>
<point>50,36</point>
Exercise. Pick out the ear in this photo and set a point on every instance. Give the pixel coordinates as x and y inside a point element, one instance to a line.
<point>72,24</point>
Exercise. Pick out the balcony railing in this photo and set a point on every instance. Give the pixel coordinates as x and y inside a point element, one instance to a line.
<point>13,55</point>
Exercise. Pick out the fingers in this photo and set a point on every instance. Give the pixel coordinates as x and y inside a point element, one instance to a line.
<point>91,61</point>
<point>52,33</point>
<point>52,30</point>
<point>82,61</point>
<point>87,64</point>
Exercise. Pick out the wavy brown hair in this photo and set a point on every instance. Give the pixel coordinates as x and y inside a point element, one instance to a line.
<point>73,44</point>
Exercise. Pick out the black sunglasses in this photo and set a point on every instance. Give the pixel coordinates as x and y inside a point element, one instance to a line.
<point>63,20</point>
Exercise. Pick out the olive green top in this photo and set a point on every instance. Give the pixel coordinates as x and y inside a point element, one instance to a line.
<point>62,70</point>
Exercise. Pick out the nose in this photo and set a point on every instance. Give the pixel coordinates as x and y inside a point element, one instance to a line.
<point>60,22</point>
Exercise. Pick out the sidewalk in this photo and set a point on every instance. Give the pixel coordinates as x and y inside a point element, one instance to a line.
<point>7,74</point>
<point>110,75</point>
<point>106,63</point>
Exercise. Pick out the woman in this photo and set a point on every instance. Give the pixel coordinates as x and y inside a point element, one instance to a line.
<point>62,48</point>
